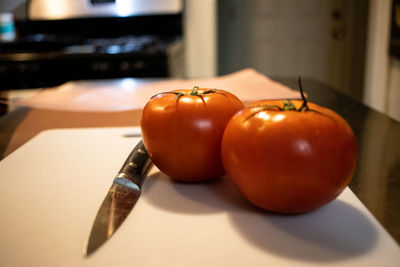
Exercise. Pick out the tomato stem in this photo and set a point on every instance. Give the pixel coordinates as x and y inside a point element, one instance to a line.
<point>178,94</point>
<point>261,108</point>
<point>304,106</point>
<point>194,90</point>
<point>209,91</point>
<point>288,105</point>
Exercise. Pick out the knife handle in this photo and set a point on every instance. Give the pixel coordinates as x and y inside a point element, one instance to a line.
<point>136,164</point>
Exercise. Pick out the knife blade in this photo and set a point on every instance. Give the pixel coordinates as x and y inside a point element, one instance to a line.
<point>120,199</point>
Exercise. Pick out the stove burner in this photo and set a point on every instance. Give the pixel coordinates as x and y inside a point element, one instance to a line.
<point>126,44</point>
<point>40,43</point>
<point>44,60</point>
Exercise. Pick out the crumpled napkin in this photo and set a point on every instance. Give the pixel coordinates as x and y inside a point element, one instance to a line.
<point>126,94</point>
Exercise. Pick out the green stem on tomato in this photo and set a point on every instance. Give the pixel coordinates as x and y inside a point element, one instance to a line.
<point>209,91</point>
<point>288,105</point>
<point>178,94</point>
<point>194,90</point>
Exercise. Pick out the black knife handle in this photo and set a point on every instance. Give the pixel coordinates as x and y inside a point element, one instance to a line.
<point>136,165</point>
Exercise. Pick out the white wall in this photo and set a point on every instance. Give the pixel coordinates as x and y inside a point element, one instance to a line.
<point>200,38</point>
<point>393,97</point>
<point>382,73</point>
<point>14,6</point>
<point>10,5</point>
<point>377,56</point>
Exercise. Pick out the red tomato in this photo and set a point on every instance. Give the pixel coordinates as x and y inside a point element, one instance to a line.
<point>289,161</point>
<point>182,131</point>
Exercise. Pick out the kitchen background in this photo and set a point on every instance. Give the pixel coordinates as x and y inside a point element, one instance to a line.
<point>350,45</point>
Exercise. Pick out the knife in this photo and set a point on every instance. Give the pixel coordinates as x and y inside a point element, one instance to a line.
<point>120,199</point>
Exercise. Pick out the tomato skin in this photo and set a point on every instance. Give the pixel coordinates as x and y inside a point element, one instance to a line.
<point>289,161</point>
<point>183,134</point>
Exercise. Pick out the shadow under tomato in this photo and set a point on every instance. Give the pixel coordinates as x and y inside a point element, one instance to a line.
<point>335,232</point>
<point>212,196</point>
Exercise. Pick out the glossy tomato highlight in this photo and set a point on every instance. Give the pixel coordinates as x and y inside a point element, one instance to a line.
<point>182,131</point>
<point>289,156</point>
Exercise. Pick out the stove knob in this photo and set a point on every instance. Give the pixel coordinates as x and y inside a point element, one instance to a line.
<point>100,66</point>
<point>124,66</point>
<point>138,64</point>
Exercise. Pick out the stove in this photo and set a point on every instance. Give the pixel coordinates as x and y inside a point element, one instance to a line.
<point>49,52</point>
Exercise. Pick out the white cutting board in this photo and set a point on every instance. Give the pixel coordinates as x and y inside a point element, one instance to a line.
<point>52,187</point>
